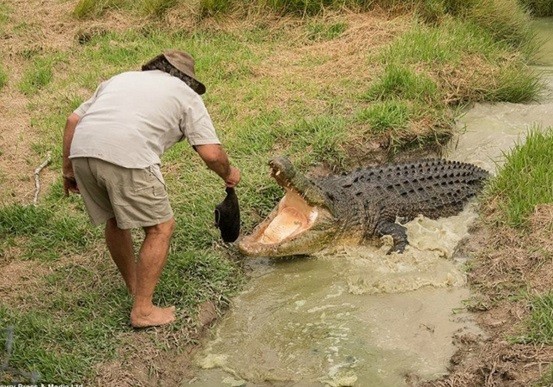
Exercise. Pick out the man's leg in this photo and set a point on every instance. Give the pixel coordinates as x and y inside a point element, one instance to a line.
<point>152,258</point>
<point>120,246</point>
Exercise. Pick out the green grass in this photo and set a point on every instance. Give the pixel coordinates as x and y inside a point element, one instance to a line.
<point>69,336</point>
<point>525,180</point>
<point>504,20</point>
<point>538,8</point>
<point>514,83</point>
<point>387,115</point>
<point>503,17</point>
<point>453,43</point>
<point>319,31</point>
<point>157,7</point>
<point>83,304</point>
<point>546,379</point>
<point>3,77</point>
<point>430,70</point>
<point>47,236</point>
<point>4,14</point>
<point>539,324</point>
<point>209,8</point>
<point>95,8</point>
<point>399,81</point>
<point>38,75</point>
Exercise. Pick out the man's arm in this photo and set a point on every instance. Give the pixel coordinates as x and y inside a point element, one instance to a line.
<point>216,159</point>
<point>69,182</point>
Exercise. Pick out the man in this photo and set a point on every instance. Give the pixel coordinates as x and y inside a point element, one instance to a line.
<point>112,146</point>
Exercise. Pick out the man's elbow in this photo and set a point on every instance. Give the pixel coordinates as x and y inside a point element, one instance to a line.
<point>73,119</point>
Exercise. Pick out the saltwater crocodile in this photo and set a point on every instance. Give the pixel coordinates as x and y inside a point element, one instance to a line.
<point>361,205</point>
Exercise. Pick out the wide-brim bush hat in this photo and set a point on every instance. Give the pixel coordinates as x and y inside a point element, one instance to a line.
<point>183,62</point>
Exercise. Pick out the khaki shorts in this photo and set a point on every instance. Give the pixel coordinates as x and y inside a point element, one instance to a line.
<point>134,197</point>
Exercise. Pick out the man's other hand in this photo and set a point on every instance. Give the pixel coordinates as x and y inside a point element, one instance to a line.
<point>70,184</point>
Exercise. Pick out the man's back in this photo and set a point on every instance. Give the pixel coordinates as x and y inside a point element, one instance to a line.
<point>135,116</point>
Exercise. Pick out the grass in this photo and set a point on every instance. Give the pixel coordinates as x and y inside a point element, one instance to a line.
<point>546,379</point>
<point>93,8</point>
<point>385,116</point>
<point>538,8</point>
<point>37,76</point>
<point>3,77</point>
<point>503,17</point>
<point>398,81</point>
<point>432,69</point>
<point>459,44</point>
<point>295,89</point>
<point>157,7</point>
<point>319,31</point>
<point>4,14</point>
<point>540,323</point>
<point>521,184</point>
<point>65,345</point>
<point>504,20</point>
<point>83,304</point>
<point>525,180</point>
<point>47,237</point>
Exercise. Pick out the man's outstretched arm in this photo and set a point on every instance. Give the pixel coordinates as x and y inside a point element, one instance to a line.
<point>216,159</point>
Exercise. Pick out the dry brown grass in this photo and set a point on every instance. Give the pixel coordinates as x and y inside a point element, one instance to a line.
<point>334,60</point>
<point>36,27</point>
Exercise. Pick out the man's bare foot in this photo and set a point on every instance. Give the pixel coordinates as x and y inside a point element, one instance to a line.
<point>154,317</point>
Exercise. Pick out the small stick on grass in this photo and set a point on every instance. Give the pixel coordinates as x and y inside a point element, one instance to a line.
<point>37,176</point>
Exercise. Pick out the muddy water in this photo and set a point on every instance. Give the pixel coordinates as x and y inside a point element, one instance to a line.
<point>354,316</point>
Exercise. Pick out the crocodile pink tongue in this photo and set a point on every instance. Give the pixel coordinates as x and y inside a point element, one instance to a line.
<point>285,224</point>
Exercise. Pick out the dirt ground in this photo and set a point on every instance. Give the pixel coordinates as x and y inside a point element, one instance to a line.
<point>501,259</point>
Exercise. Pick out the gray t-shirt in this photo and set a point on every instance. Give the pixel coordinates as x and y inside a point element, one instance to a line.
<point>135,116</point>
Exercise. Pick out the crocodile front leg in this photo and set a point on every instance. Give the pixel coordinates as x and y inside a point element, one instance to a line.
<point>396,231</point>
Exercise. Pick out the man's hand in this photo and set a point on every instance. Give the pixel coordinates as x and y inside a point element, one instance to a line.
<point>69,184</point>
<point>234,177</point>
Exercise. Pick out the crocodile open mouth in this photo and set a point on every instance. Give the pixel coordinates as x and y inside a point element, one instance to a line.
<point>292,217</point>
<point>293,227</point>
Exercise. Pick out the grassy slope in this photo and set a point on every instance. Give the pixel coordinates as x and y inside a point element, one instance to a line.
<point>322,90</point>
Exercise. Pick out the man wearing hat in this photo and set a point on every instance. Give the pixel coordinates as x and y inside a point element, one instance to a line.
<point>112,146</point>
